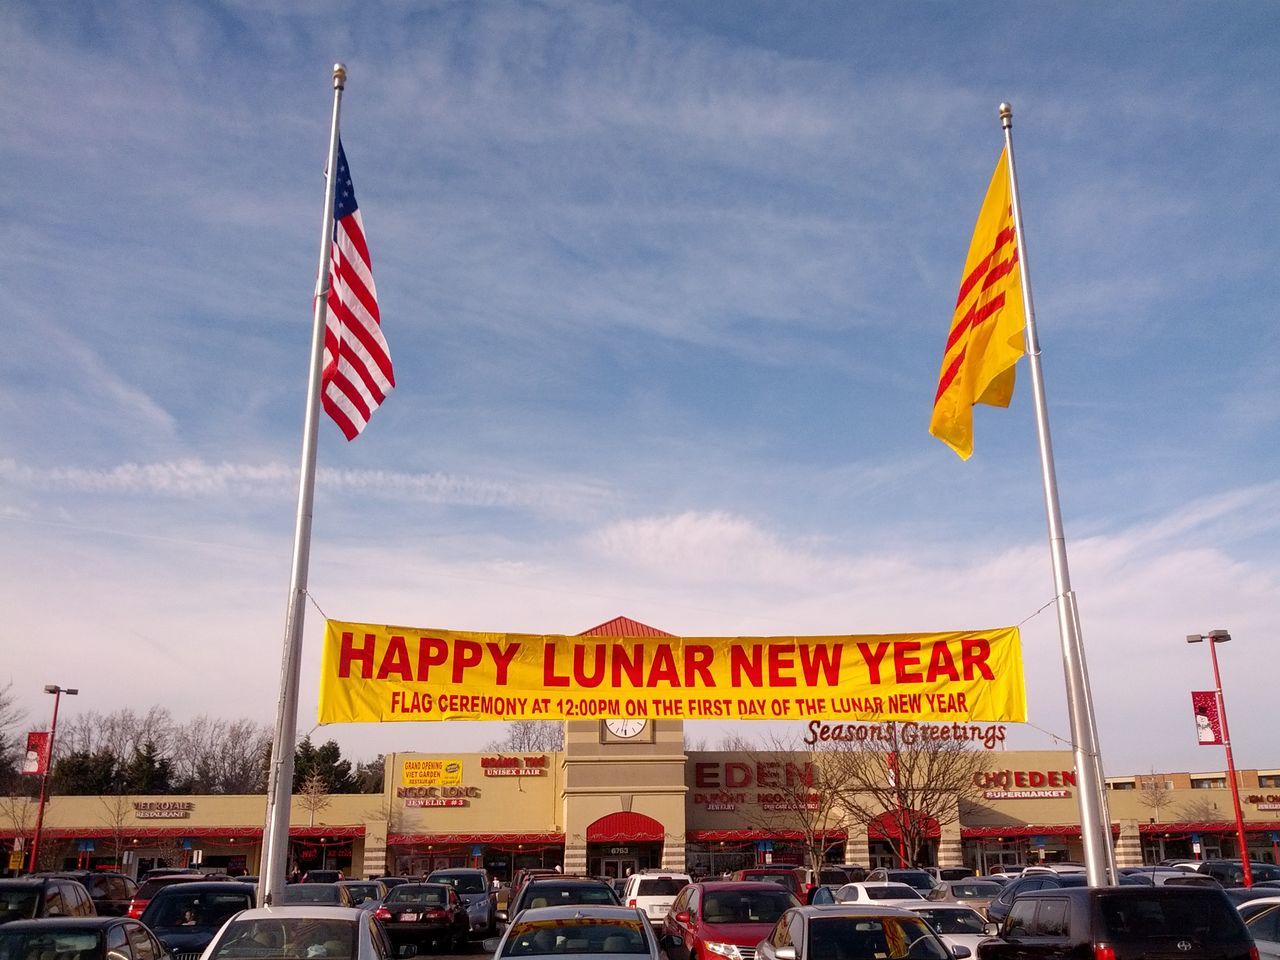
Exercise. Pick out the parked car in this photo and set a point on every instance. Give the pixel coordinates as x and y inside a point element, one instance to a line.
<point>185,916</point>
<point>30,898</point>
<point>1063,867</point>
<point>1159,876</point>
<point>1230,873</point>
<point>855,871</point>
<point>949,873</point>
<point>653,893</point>
<point>148,888</point>
<point>829,874</point>
<point>723,918</point>
<point>1251,908</point>
<point>919,879</point>
<point>523,876</point>
<point>1239,895</point>
<point>974,892</point>
<point>322,876</point>
<point>605,933</point>
<point>958,926</point>
<point>794,879</point>
<point>869,892</point>
<point>392,882</point>
<point>851,932</point>
<point>110,892</point>
<point>84,938</point>
<point>1121,923</point>
<point>364,893</point>
<point>998,908</point>
<point>472,887</point>
<point>1264,927</point>
<point>424,915</point>
<point>559,891</point>
<point>325,893</point>
<point>310,931</point>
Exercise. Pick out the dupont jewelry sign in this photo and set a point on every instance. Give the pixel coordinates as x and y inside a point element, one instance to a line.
<point>374,673</point>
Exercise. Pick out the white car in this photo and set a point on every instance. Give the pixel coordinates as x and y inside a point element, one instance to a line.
<point>888,893</point>
<point>307,931</point>
<point>957,926</point>
<point>653,893</point>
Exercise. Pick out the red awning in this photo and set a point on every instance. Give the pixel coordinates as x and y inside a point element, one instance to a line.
<point>740,836</point>
<point>192,832</point>
<point>1208,826</point>
<point>445,839</point>
<point>887,825</point>
<point>1026,830</point>
<point>624,827</point>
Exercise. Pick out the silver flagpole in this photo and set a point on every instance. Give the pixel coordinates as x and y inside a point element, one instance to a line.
<point>1095,820</point>
<point>275,839</point>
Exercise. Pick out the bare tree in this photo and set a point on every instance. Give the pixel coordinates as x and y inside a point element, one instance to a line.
<point>18,815</point>
<point>116,810</point>
<point>11,751</point>
<point>1154,791</point>
<point>119,733</point>
<point>212,755</point>
<point>913,788</point>
<point>313,795</point>
<point>531,736</point>
<point>796,794</point>
<point>1199,810</point>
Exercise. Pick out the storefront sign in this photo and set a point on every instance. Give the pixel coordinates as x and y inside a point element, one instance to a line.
<point>988,737</point>
<point>1027,784</point>
<point>436,802</point>
<point>372,673</point>
<point>1269,801</point>
<point>514,766</point>
<point>431,773</point>
<point>420,793</point>
<point>163,809</point>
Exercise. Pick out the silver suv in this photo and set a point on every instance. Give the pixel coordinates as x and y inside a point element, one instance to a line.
<point>653,892</point>
<point>472,887</point>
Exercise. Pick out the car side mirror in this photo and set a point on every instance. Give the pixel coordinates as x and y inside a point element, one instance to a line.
<point>407,950</point>
<point>785,953</point>
<point>490,945</point>
<point>992,929</point>
<point>960,952</point>
<point>683,916</point>
<point>502,916</point>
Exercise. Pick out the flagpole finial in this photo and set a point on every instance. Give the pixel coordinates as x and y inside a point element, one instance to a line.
<point>1006,115</point>
<point>339,76</point>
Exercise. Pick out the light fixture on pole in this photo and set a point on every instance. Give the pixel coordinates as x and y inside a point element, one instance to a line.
<point>57,692</point>
<point>1215,637</point>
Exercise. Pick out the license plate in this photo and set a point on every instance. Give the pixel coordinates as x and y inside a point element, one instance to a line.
<point>408,917</point>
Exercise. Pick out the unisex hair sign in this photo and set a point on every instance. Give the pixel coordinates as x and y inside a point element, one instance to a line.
<point>373,673</point>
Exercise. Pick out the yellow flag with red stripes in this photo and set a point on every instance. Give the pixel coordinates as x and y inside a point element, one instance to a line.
<point>986,337</point>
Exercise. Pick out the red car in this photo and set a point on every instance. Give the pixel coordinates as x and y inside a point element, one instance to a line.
<point>723,918</point>
<point>795,879</point>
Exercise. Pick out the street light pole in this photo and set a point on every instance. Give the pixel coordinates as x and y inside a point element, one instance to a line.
<point>1215,637</point>
<point>57,692</point>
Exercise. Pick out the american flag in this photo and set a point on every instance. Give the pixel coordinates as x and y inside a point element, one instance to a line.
<point>357,374</point>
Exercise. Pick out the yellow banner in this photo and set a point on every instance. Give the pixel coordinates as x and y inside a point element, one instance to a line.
<point>374,673</point>
<point>431,773</point>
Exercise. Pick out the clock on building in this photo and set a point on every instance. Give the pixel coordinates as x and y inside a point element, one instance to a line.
<point>623,729</point>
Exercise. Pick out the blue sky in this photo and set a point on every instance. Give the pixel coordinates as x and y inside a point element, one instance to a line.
<point>666,287</point>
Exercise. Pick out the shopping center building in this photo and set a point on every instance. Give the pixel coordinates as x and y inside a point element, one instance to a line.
<point>629,798</point>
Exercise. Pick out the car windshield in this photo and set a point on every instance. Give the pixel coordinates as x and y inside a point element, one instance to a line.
<point>746,906</point>
<point>310,893</point>
<point>975,891</point>
<point>537,938</point>
<point>891,892</point>
<point>552,895</point>
<point>659,887</point>
<point>894,938</point>
<point>436,896</point>
<point>20,945</point>
<point>954,921</point>
<point>182,909</point>
<point>360,892</point>
<point>18,904</point>
<point>912,878</point>
<point>462,882</point>
<point>781,879</point>
<point>1204,919</point>
<point>304,937</point>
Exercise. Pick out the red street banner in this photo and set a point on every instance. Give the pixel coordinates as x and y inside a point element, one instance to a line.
<point>37,759</point>
<point>1208,721</point>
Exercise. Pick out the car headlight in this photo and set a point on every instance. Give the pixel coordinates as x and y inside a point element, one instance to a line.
<point>725,950</point>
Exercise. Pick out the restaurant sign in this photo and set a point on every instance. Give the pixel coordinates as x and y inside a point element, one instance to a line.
<point>432,773</point>
<point>163,809</point>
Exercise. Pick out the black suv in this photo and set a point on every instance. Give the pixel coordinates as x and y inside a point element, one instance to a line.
<point>1122,923</point>
<point>32,898</point>
<point>1230,873</point>
<point>110,892</point>
<point>998,908</point>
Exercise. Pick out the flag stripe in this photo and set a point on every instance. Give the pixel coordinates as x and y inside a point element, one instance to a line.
<point>1003,237</point>
<point>357,373</point>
